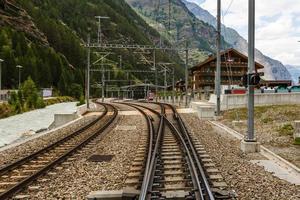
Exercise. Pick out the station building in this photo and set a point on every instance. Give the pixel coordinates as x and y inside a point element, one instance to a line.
<point>234,65</point>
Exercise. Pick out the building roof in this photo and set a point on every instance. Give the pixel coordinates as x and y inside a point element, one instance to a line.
<point>214,58</point>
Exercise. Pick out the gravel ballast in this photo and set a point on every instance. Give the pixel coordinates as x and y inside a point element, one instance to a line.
<point>76,178</point>
<point>248,180</point>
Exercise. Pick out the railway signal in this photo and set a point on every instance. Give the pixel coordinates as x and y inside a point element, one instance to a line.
<point>251,79</point>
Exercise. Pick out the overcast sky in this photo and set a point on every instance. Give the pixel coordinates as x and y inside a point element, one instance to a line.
<point>277,25</point>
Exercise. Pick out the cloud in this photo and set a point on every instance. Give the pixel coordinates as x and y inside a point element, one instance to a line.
<point>277,25</point>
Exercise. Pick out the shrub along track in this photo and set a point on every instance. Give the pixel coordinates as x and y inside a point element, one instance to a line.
<point>18,175</point>
<point>173,167</point>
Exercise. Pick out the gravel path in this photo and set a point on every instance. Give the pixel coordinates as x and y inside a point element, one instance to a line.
<point>248,180</point>
<point>76,179</point>
<point>31,146</point>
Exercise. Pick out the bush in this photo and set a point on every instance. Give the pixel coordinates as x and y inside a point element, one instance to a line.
<point>6,110</point>
<point>286,129</point>
<point>40,103</point>
<point>55,100</point>
<point>81,101</point>
<point>76,91</point>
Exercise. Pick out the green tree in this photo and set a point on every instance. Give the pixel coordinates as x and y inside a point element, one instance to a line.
<point>30,93</point>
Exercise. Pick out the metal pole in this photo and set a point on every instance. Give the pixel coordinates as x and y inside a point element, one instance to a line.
<point>218,67</point>
<point>120,61</point>
<point>19,77</point>
<point>186,74</point>
<point>88,72</point>
<point>169,27</point>
<point>251,69</point>
<point>1,74</point>
<point>154,67</point>
<point>165,84</point>
<point>99,39</point>
<point>102,80</point>
<point>173,86</point>
<point>20,67</point>
<point>99,32</point>
<point>145,89</point>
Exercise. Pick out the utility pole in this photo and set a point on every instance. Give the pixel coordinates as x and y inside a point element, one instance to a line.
<point>102,80</point>
<point>88,72</point>
<point>20,68</point>
<point>218,67</point>
<point>99,39</point>
<point>169,15</point>
<point>120,57</point>
<point>186,74</point>
<point>1,74</point>
<point>251,70</point>
<point>165,83</point>
<point>154,67</point>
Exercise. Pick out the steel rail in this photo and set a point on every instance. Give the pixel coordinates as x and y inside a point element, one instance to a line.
<point>150,126</point>
<point>32,156</point>
<point>18,187</point>
<point>187,136</point>
<point>193,169</point>
<point>152,156</point>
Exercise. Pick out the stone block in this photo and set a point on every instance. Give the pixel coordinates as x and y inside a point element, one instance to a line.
<point>126,194</point>
<point>250,147</point>
<point>206,112</point>
<point>179,195</point>
<point>296,129</point>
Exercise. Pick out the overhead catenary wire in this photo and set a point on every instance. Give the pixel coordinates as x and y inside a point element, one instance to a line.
<point>229,68</point>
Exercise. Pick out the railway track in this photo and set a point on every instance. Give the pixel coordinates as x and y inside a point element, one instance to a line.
<point>173,169</point>
<point>19,174</point>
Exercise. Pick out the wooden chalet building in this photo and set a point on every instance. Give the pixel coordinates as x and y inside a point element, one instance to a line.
<point>233,66</point>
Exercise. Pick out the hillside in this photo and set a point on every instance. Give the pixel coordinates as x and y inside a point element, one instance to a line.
<point>22,43</point>
<point>295,72</point>
<point>273,69</point>
<point>65,30</point>
<point>181,26</point>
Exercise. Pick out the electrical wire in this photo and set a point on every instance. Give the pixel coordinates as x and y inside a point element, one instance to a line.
<point>229,69</point>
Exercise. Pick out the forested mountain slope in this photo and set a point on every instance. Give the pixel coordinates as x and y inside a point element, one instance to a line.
<point>63,27</point>
<point>179,25</point>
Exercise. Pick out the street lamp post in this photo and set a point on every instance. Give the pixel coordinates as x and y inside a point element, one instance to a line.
<point>1,74</point>
<point>20,68</point>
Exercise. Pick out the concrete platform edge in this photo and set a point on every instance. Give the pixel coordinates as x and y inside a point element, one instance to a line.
<point>15,144</point>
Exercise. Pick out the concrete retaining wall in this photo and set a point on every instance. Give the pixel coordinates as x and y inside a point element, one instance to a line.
<point>81,109</point>
<point>230,101</point>
<point>61,119</point>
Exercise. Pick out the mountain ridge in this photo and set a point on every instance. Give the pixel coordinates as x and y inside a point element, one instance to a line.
<point>295,72</point>
<point>274,69</point>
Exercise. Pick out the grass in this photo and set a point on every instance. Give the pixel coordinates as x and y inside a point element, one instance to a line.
<point>286,129</point>
<point>297,141</point>
<point>267,114</point>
